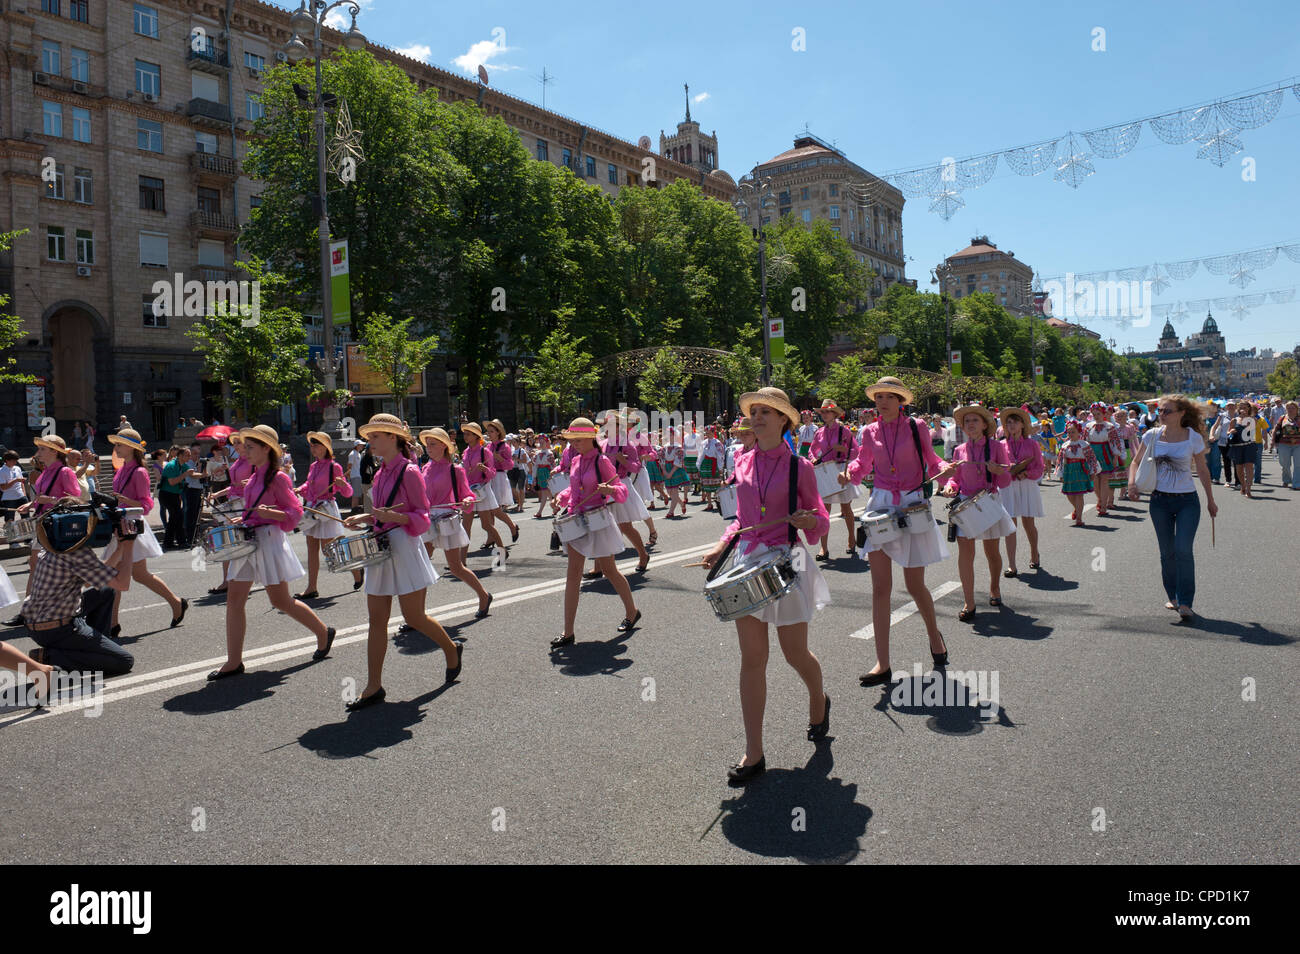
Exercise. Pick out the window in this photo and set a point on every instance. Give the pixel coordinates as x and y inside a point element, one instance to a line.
<point>54,190</point>
<point>253,106</point>
<point>153,249</point>
<point>1002,276</point>
<point>203,86</point>
<point>146,21</point>
<point>150,318</point>
<point>807,216</point>
<point>613,174</point>
<point>79,10</point>
<point>784,197</point>
<point>51,6</point>
<point>803,193</point>
<point>205,142</point>
<point>835,212</point>
<point>55,249</point>
<point>835,229</point>
<point>85,247</point>
<point>83,186</point>
<point>209,201</point>
<point>80,124</point>
<point>591,167</point>
<point>542,152</point>
<point>53,114</point>
<point>835,190</point>
<point>254,61</point>
<point>148,78</point>
<point>51,56</point>
<point>148,135</point>
<point>151,194</point>
<point>254,201</point>
<point>79,65</point>
<point>566,159</point>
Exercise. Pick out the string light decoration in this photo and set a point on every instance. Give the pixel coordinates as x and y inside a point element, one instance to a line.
<point>1240,267</point>
<point>1239,305</point>
<point>1216,126</point>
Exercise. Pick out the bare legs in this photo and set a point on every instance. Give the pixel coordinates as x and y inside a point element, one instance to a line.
<point>573,586</point>
<point>634,537</point>
<point>412,607</point>
<point>753,677</point>
<point>966,567</point>
<point>237,623</point>
<point>882,583</point>
<point>456,566</point>
<point>140,574</point>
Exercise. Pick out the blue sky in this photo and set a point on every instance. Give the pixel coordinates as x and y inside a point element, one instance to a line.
<point>901,86</point>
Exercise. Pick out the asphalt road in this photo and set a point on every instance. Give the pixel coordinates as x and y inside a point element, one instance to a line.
<point>615,751</point>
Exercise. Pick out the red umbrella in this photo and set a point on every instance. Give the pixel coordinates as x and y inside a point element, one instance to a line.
<point>217,432</point>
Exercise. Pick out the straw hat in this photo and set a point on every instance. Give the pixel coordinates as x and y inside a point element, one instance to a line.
<point>384,424</point>
<point>469,427</point>
<point>990,422</point>
<point>438,434</point>
<point>127,438</point>
<point>891,385</point>
<point>496,422</point>
<point>742,425</point>
<point>774,398</point>
<point>579,428</point>
<point>54,442</point>
<point>1026,422</point>
<point>321,438</point>
<point>263,433</point>
<point>829,405</point>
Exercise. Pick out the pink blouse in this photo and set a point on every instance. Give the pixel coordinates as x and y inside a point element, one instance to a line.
<point>972,476</point>
<point>56,480</point>
<point>438,484</point>
<point>240,471</point>
<point>889,451</point>
<point>323,482</point>
<point>410,499</point>
<point>586,471</point>
<point>827,437</point>
<point>630,451</point>
<point>566,458</point>
<point>478,464</point>
<point>132,481</point>
<point>279,495</point>
<point>1025,448</point>
<point>505,456</point>
<point>763,483</point>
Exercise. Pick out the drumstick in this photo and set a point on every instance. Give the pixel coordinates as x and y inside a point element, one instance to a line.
<point>322,513</point>
<point>699,563</point>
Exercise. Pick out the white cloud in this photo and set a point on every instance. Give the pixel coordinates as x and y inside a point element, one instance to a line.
<point>340,18</point>
<point>481,54</point>
<point>418,51</point>
<point>701,97</point>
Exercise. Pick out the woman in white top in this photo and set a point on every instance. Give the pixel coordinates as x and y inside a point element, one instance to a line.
<point>1241,444</point>
<point>1177,445</point>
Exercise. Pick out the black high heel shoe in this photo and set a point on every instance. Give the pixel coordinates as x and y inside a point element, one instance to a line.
<point>453,673</point>
<point>365,702</point>
<point>559,641</point>
<point>818,732</point>
<point>185,605</point>
<point>740,774</point>
<point>218,674</point>
<point>876,678</point>
<point>320,654</point>
<point>629,624</point>
<point>966,615</point>
<point>115,631</point>
<point>484,611</point>
<point>940,659</point>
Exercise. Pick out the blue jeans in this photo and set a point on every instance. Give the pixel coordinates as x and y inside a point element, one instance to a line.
<point>1176,517</point>
<point>1215,460</point>
<point>81,646</point>
<point>1289,456</point>
<point>1259,461</point>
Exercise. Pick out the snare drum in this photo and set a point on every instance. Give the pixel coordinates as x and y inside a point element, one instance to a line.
<point>557,482</point>
<point>880,526</point>
<point>20,531</point>
<point>728,501</point>
<point>352,553</point>
<point>977,513</point>
<point>228,542</point>
<point>446,523</point>
<point>572,526</point>
<point>828,478</point>
<point>742,590</point>
<point>917,518</point>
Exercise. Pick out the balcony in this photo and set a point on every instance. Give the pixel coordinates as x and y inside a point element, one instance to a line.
<point>213,222</point>
<point>213,273</point>
<point>208,113</point>
<point>209,59</point>
<point>211,164</point>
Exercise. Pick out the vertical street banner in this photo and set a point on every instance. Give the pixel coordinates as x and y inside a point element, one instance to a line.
<point>35,403</point>
<point>1086,379</point>
<point>340,296</point>
<point>776,340</point>
<point>955,358</point>
<point>1038,374</point>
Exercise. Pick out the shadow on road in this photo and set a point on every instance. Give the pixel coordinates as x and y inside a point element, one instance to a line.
<point>590,658</point>
<point>1004,621</point>
<point>802,814</point>
<point>361,733</point>
<point>1252,633</point>
<point>1041,579</point>
<point>951,706</point>
<point>232,693</point>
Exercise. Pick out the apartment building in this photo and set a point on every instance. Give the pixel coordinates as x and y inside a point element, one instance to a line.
<point>983,267</point>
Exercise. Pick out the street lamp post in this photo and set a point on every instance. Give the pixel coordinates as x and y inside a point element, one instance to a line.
<point>943,274</point>
<point>308,20</point>
<point>759,191</point>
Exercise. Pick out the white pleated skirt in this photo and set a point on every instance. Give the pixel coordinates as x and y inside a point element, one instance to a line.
<point>1023,499</point>
<point>406,570</point>
<point>484,497</point>
<point>318,528</point>
<point>810,592</point>
<point>600,543</point>
<point>912,549</point>
<point>453,541</point>
<point>850,493</point>
<point>632,509</point>
<point>8,595</point>
<point>501,488</point>
<point>642,484</point>
<point>1003,528</point>
<point>146,546</point>
<point>272,562</point>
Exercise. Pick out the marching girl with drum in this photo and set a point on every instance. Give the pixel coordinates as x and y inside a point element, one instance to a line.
<point>592,479</point>
<point>325,480</point>
<point>1076,465</point>
<point>401,513</point>
<point>503,461</point>
<point>239,471</point>
<point>480,468</point>
<point>55,481</point>
<point>447,488</point>
<point>131,488</point>
<point>765,522</point>
<point>982,466</point>
<point>1022,498</point>
<point>834,442</point>
<point>271,510</point>
<point>899,451</point>
<point>640,444</point>
<point>627,463</point>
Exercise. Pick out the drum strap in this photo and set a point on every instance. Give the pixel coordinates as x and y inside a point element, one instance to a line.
<point>926,485</point>
<point>392,495</point>
<point>457,475</point>
<point>247,510</point>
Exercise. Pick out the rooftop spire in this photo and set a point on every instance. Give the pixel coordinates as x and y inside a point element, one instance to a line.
<point>688,101</point>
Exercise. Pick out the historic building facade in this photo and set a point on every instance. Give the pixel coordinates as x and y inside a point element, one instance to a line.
<point>983,267</point>
<point>1200,365</point>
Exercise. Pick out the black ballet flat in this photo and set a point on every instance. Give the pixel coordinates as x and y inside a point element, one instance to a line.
<point>1010,574</point>
<point>113,633</point>
<point>217,590</point>
<point>218,674</point>
<point>559,641</point>
<point>453,672</point>
<point>514,535</point>
<point>884,677</point>
<point>740,774</point>
<point>642,567</point>
<point>628,624</point>
<point>320,654</point>
<point>940,659</point>
<point>310,594</point>
<point>995,601</point>
<point>966,615</point>
<point>593,575</point>
<point>818,732</point>
<point>356,584</point>
<point>366,702</point>
<point>185,605</point>
<point>1035,566</point>
<point>484,611</point>
<point>822,557</point>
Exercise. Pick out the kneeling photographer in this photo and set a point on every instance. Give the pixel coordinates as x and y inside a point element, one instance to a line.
<point>68,625</point>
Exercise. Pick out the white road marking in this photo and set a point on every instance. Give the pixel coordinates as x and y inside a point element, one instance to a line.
<point>907,609</point>
<point>1086,508</point>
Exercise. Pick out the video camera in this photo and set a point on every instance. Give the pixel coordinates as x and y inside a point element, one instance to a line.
<point>69,525</point>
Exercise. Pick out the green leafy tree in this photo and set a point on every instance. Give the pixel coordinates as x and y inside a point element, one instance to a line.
<point>845,382</point>
<point>743,367</point>
<point>660,385</point>
<point>395,355</point>
<point>1284,380</point>
<point>11,328</point>
<point>562,370</point>
<point>789,375</point>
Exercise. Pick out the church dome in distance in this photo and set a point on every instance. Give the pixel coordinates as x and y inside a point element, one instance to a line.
<point>1169,331</point>
<point>1211,327</point>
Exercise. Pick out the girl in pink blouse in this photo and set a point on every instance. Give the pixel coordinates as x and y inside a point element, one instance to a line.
<point>627,462</point>
<point>401,513</point>
<point>480,468</point>
<point>447,488</point>
<point>981,465</point>
<point>325,480</point>
<point>271,509</point>
<point>1021,497</point>
<point>131,488</point>
<point>835,442</point>
<point>55,481</point>
<point>593,483</point>
<point>503,459</point>
<point>763,497</point>
<point>238,471</point>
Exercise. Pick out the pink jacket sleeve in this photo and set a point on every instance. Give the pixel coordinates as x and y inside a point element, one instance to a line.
<point>1036,466</point>
<point>283,498</point>
<point>861,466</point>
<point>342,487</point>
<point>486,461</point>
<point>807,498</point>
<point>609,475</point>
<point>417,502</point>
<point>958,455</point>
<point>998,452</point>
<point>137,488</point>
